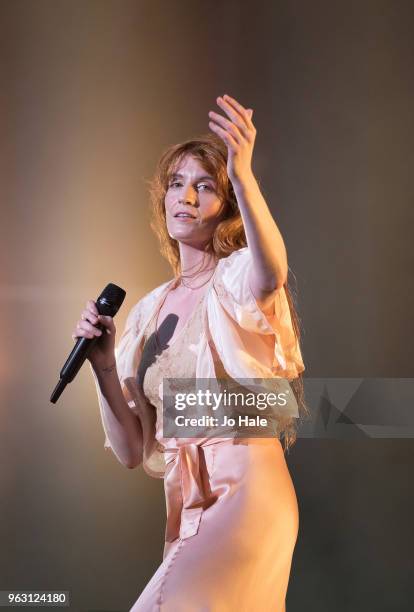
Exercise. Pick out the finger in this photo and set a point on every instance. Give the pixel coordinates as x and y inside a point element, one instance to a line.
<point>227,125</point>
<point>108,322</point>
<point>82,333</point>
<point>234,115</point>
<point>90,305</point>
<point>239,108</point>
<point>224,135</point>
<point>87,315</point>
<point>88,327</point>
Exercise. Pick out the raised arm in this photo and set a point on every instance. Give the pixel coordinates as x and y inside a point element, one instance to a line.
<point>269,258</point>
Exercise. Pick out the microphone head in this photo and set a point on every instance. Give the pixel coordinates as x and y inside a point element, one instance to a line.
<point>110,300</point>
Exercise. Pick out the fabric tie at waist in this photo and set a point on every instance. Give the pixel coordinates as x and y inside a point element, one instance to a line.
<point>184,491</point>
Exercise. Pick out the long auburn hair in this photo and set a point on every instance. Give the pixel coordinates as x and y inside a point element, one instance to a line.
<point>228,236</point>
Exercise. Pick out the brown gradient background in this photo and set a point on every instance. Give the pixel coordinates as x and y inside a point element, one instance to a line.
<point>91,93</point>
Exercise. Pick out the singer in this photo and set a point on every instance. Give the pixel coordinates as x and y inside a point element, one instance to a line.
<point>232,512</point>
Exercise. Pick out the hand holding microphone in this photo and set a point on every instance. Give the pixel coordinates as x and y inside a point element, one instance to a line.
<point>91,325</point>
<point>95,333</point>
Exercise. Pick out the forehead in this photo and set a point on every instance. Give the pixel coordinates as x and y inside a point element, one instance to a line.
<point>190,166</point>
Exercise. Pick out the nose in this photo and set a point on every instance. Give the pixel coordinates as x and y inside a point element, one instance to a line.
<point>188,195</point>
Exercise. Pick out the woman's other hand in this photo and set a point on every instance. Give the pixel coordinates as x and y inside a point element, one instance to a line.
<point>103,352</point>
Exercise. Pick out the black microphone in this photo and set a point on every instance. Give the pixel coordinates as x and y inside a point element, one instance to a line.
<point>108,304</point>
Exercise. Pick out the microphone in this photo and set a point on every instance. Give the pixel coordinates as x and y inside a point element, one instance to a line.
<point>108,303</point>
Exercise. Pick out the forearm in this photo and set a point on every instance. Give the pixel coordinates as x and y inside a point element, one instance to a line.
<point>122,426</point>
<point>264,239</point>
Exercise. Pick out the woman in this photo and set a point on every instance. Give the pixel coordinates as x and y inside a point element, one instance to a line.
<point>232,515</point>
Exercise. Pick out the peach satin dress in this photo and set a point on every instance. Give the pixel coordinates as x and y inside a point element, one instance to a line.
<point>232,513</point>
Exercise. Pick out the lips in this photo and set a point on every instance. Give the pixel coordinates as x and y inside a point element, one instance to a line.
<point>184,214</point>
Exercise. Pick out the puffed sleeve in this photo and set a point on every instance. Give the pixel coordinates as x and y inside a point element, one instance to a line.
<point>127,356</point>
<point>267,343</point>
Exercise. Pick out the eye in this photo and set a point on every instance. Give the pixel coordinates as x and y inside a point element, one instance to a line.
<point>206,185</point>
<point>174,183</point>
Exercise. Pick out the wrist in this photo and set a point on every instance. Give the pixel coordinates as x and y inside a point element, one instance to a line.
<point>109,368</point>
<point>105,368</point>
<point>243,184</point>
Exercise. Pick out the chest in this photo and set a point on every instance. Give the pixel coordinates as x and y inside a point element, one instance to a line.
<point>175,311</point>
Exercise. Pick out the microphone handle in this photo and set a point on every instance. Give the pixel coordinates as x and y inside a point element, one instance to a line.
<point>77,358</point>
<point>107,304</point>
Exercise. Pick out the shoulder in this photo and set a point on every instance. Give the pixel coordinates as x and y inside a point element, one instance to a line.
<point>234,258</point>
<point>150,297</point>
<point>234,264</point>
<point>146,303</point>
<point>232,272</point>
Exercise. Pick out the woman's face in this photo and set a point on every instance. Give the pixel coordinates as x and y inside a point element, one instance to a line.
<point>192,206</point>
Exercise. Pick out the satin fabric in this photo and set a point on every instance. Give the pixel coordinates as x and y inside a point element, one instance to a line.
<point>185,483</point>
<point>248,344</point>
<point>186,477</point>
<point>232,514</point>
<point>238,556</point>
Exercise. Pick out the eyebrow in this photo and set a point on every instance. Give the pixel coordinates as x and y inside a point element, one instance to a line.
<point>200,178</point>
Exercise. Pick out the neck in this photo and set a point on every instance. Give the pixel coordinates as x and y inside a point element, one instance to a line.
<point>196,264</point>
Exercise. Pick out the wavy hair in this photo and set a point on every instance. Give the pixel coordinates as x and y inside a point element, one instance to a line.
<point>228,236</point>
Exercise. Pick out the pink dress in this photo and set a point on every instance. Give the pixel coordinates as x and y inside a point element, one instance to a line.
<point>232,512</point>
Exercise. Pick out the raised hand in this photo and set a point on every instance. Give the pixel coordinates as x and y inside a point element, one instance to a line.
<point>238,133</point>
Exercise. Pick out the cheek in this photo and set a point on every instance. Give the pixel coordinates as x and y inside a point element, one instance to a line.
<point>213,210</point>
<point>167,204</point>
<point>168,213</point>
